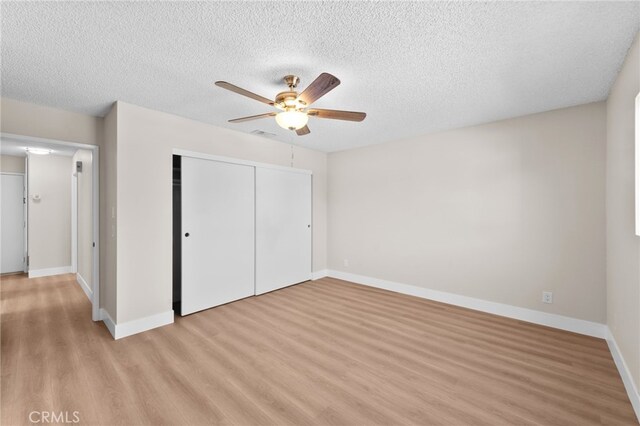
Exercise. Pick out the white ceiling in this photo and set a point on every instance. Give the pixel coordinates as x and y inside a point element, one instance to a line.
<point>413,67</point>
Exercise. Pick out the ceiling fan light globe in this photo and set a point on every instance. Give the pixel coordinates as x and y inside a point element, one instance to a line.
<point>292,120</point>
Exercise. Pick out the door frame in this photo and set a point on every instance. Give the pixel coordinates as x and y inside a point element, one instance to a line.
<point>202,156</point>
<point>95,151</point>
<point>74,222</point>
<point>256,164</point>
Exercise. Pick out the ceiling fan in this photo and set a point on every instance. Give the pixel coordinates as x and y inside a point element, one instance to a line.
<point>294,108</point>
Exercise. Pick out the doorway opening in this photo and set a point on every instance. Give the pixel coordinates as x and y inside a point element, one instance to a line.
<point>60,210</point>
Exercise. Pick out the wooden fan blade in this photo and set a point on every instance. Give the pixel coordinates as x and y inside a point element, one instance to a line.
<point>243,92</point>
<point>337,115</point>
<point>303,131</point>
<point>252,117</point>
<point>318,88</point>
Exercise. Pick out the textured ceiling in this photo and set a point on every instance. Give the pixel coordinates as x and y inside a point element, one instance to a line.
<point>413,67</point>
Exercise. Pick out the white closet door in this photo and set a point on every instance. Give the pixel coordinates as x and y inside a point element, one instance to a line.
<point>283,229</point>
<point>12,220</point>
<point>218,217</point>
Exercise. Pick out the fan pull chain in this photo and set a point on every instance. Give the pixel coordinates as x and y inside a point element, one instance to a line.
<point>292,156</point>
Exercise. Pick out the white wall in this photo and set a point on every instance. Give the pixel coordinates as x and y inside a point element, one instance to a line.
<point>12,164</point>
<point>500,211</point>
<point>49,219</point>
<point>145,139</point>
<point>623,246</point>
<point>84,214</point>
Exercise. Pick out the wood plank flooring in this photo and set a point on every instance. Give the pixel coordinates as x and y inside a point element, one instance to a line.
<point>326,352</point>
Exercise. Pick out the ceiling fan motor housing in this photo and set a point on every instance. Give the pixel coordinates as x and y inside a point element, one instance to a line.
<point>288,100</point>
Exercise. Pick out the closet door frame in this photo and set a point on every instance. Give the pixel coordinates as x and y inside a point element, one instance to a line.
<point>193,154</point>
<point>202,156</point>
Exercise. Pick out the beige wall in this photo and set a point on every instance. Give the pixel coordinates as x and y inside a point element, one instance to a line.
<point>49,219</point>
<point>85,216</point>
<point>499,212</point>
<point>145,139</point>
<point>11,164</point>
<point>623,246</point>
<point>23,118</point>
<point>108,240</point>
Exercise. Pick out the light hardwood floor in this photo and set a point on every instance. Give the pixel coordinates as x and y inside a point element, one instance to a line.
<point>326,352</point>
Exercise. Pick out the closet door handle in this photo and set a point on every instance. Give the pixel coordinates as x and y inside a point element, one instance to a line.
<point>186,234</point>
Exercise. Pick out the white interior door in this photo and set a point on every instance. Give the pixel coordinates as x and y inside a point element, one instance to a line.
<point>217,233</point>
<point>283,228</point>
<point>12,223</point>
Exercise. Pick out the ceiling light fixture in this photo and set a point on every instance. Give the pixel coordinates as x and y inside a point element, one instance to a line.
<point>292,119</point>
<point>38,151</point>
<point>295,111</point>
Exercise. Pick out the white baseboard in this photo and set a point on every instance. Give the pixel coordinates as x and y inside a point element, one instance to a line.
<point>118,331</point>
<point>108,321</point>
<point>625,374</point>
<point>523,314</point>
<point>85,287</point>
<point>319,274</point>
<point>36,273</point>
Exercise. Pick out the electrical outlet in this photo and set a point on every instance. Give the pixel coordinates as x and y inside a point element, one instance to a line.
<point>346,262</point>
<point>547,297</point>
